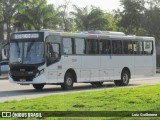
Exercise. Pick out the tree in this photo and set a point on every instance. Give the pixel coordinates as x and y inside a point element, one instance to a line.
<point>63,12</point>
<point>151,19</point>
<point>80,17</point>
<point>97,19</point>
<point>33,14</point>
<point>51,18</point>
<point>1,25</point>
<point>131,16</point>
<point>8,10</point>
<point>111,22</point>
<point>153,3</point>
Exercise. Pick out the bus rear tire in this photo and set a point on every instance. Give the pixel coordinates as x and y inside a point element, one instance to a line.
<point>124,79</point>
<point>97,84</point>
<point>68,82</point>
<point>38,86</point>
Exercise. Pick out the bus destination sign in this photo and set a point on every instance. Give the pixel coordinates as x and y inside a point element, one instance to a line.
<point>26,36</point>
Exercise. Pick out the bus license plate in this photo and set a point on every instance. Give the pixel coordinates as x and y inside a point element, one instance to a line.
<point>22,80</point>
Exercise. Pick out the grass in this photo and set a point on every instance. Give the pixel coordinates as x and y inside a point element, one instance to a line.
<point>146,98</point>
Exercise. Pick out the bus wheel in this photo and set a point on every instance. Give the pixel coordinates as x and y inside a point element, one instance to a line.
<point>124,79</point>
<point>38,86</point>
<point>68,82</point>
<point>97,84</point>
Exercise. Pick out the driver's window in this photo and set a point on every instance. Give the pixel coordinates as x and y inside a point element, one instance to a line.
<point>53,53</point>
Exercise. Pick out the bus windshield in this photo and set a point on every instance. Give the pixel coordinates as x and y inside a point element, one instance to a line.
<point>26,52</point>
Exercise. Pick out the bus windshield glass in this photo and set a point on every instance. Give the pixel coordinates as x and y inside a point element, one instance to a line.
<point>26,52</point>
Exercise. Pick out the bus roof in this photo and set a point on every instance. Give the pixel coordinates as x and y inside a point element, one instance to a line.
<point>100,34</point>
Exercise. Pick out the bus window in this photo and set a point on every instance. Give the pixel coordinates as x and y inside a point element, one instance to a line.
<point>53,53</point>
<point>117,47</point>
<point>92,46</point>
<point>67,46</point>
<point>80,46</point>
<point>127,47</point>
<point>138,47</point>
<point>105,47</point>
<point>148,48</point>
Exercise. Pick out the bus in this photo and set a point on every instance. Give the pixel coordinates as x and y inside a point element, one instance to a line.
<point>46,57</point>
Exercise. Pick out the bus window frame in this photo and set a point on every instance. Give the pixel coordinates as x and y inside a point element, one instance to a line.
<point>121,47</point>
<point>74,39</point>
<point>152,47</point>
<point>132,41</point>
<point>58,58</point>
<point>59,42</point>
<point>105,39</point>
<point>73,46</point>
<point>86,47</point>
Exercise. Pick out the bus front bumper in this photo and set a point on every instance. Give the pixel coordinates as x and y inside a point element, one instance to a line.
<point>38,80</point>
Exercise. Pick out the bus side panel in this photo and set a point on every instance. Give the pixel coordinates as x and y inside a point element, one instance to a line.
<point>71,62</point>
<point>143,65</point>
<point>90,68</point>
<point>112,66</point>
<point>106,68</point>
<point>124,62</point>
<point>53,73</point>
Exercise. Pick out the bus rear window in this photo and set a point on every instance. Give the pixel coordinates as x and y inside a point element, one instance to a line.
<point>148,48</point>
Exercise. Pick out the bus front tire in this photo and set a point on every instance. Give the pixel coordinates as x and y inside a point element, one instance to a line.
<point>124,79</point>
<point>68,82</point>
<point>38,86</point>
<point>97,84</point>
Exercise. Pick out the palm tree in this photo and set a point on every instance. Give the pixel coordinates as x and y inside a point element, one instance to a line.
<point>63,13</point>
<point>8,11</point>
<point>1,25</point>
<point>35,14</point>
<point>97,19</point>
<point>81,17</point>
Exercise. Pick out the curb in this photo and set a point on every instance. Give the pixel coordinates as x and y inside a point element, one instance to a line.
<point>3,78</point>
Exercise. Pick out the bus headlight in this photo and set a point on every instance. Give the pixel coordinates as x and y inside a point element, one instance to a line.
<point>39,72</point>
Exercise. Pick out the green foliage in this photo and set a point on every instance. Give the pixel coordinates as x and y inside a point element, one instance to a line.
<point>63,13</point>
<point>35,14</point>
<point>112,22</point>
<point>80,17</point>
<point>1,14</point>
<point>131,16</point>
<point>151,21</point>
<point>138,17</point>
<point>7,12</point>
<point>97,19</point>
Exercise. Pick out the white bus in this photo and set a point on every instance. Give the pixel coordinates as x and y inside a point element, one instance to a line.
<point>58,58</point>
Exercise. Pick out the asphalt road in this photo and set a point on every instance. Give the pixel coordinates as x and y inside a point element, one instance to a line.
<point>9,92</point>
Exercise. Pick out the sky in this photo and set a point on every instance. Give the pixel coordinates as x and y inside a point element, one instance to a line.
<point>107,5</point>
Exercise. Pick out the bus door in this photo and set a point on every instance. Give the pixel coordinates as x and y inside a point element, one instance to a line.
<point>91,61</point>
<point>106,68</point>
<point>53,61</point>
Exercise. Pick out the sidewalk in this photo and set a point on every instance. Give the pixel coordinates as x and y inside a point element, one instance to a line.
<point>3,77</point>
